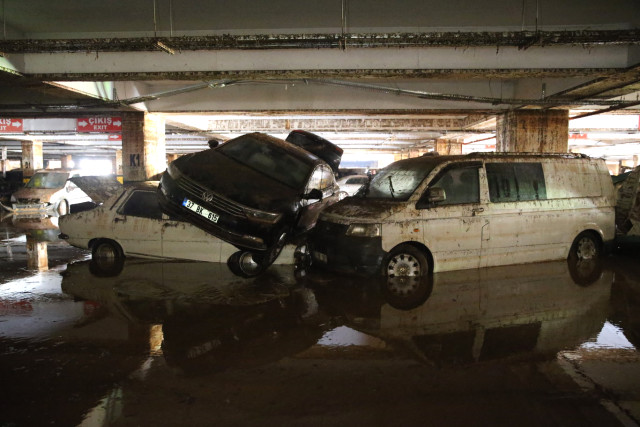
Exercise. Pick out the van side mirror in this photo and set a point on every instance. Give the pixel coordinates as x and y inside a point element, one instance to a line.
<point>430,197</point>
<point>314,194</point>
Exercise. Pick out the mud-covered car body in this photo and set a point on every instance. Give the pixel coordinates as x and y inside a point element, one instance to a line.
<point>48,191</point>
<point>130,220</point>
<point>254,191</point>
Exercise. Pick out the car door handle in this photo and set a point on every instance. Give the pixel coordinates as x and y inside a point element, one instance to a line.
<point>475,211</point>
<point>119,219</point>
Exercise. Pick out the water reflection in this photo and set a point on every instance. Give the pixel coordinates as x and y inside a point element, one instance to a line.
<point>531,310</point>
<point>212,319</point>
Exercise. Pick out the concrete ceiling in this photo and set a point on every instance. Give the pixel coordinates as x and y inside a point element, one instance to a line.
<point>367,74</point>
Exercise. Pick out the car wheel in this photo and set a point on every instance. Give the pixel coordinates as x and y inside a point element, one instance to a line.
<point>585,247</point>
<point>107,258</point>
<point>406,261</point>
<point>63,207</point>
<point>244,264</point>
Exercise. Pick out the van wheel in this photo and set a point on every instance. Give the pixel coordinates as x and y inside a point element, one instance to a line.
<point>406,261</point>
<point>585,247</point>
<point>63,207</point>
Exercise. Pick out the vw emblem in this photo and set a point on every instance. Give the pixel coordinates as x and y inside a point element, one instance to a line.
<point>207,196</point>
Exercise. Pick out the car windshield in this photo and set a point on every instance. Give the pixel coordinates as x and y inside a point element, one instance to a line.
<point>268,159</point>
<point>397,181</point>
<point>48,180</point>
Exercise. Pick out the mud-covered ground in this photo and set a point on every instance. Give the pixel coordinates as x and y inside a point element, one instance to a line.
<point>188,343</point>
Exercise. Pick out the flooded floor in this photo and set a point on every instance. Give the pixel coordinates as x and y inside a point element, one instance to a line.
<point>189,343</point>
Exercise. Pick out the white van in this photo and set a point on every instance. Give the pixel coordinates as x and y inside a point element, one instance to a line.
<point>439,213</point>
<point>48,191</point>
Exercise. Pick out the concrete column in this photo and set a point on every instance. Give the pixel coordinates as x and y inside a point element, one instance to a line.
<point>143,146</point>
<point>32,159</point>
<point>37,255</point>
<point>448,146</point>
<point>533,131</point>
<point>4,162</point>
<point>172,157</point>
<point>117,166</point>
<point>66,162</point>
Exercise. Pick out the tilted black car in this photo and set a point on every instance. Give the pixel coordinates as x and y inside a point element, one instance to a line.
<point>254,191</point>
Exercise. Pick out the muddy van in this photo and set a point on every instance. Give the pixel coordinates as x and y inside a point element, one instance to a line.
<point>440,213</point>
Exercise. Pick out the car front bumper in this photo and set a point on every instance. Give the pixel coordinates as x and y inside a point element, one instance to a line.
<point>332,249</point>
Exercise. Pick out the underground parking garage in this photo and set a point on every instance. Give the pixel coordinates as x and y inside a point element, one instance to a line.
<point>153,270</point>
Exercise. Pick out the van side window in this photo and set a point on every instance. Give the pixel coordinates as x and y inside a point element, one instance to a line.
<point>512,182</point>
<point>143,204</point>
<point>460,185</point>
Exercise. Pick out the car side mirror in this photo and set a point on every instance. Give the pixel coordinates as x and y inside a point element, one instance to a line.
<point>432,196</point>
<point>314,194</point>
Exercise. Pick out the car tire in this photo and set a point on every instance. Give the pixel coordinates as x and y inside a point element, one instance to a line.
<point>107,258</point>
<point>406,261</point>
<point>586,246</point>
<point>244,264</point>
<point>63,207</point>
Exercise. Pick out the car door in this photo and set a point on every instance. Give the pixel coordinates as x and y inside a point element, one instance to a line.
<point>322,179</point>
<point>453,227</point>
<point>137,224</point>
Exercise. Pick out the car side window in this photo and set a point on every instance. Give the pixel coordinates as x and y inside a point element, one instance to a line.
<point>460,184</point>
<point>512,182</point>
<point>328,179</point>
<point>316,179</point>
<point>142,204</point>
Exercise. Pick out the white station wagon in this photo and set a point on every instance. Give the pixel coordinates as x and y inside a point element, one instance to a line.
<point>130,223</point>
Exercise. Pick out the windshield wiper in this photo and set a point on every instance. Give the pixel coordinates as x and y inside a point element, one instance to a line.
<point>391,187</point>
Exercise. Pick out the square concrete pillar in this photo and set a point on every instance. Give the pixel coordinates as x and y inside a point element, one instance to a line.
<point>66,162</point>
<point>533,131</point>
<point>143,146</point>
<point>117,166</point>
<point>448,146</point>
<point>32,159</point>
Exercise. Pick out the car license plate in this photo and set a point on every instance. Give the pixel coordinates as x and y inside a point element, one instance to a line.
<point>191,205</point>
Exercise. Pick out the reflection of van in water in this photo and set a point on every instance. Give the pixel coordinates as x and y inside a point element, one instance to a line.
<point>49,190</point>
<point>439,213</point>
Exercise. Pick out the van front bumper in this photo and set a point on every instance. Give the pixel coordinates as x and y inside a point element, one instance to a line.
<point>332,249</point>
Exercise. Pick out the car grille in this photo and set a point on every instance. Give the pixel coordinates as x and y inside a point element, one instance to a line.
<point>28,201</point>
<point>330,228</point>
<point>218,202</point>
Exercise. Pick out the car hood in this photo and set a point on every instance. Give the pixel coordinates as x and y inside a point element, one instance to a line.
<point>99,188</point>
<point>44,194</point>
<point>354,209</point>
<point>236,181</point>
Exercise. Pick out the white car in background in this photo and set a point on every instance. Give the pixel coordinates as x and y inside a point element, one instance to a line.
<point>130,223</point>
<point>352,183</point>
<point>50,191</point>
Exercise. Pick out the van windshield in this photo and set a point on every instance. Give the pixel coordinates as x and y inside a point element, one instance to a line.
<point>268,159</point>
<point>397,181</point>
<point>48,180</point>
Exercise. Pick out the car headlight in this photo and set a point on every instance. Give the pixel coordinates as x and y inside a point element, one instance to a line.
<point>262,216</point>
<point>364,230</point>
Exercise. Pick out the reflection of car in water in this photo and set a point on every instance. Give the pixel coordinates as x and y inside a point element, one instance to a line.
<point>49,190</point>
<point>255,191</point>
<point>474,315</point>
<point>130,223</point>
<point>211,319</point>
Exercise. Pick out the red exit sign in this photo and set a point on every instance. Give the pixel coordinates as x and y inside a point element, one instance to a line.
<point>10,125</point>
<point>99,124</point>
